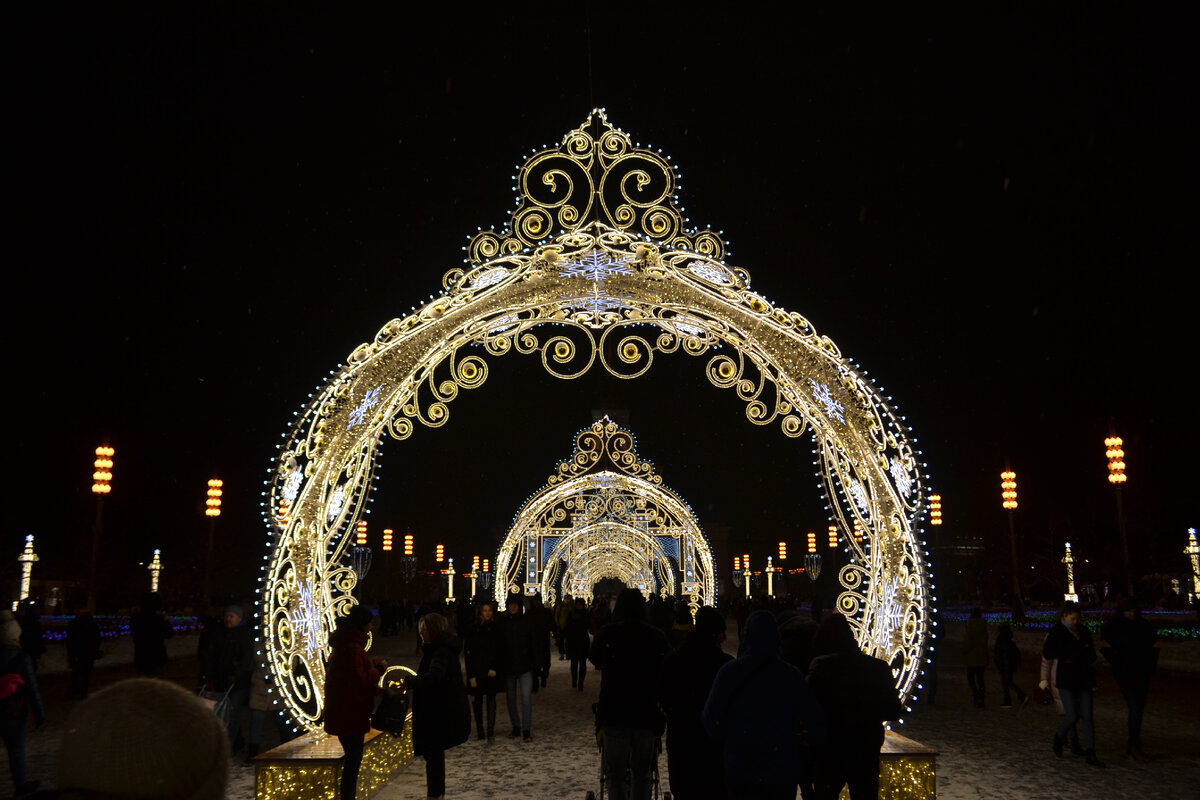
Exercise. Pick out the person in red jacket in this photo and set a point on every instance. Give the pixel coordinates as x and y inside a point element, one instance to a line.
<point>351,683</point>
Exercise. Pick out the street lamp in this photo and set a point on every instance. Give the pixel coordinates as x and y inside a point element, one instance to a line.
<point>812,559</point>
<point>833,537</point>
<point>155,567</point>
<point>783,551</point>
<point>474,575</point>
<point>747,575</point>
<point>1116,476</point>
<point>212,510</point>
<point>26,560</point>
<point>449,579</point>
<point>935,509</point>
<point>1193,552</point>
<point>1069,560</point>
<point>770,578</point>
<point>1008,500</point>
<point>102,475</point>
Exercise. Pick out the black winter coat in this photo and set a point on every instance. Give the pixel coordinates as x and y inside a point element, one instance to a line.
<point>629,655</point>
<point>578,640</point>
<point>519,648</point>
<point>441,712</point>
<point>695,760</point>
<point>1129,645</point>
<point>485,651</point>
<point>1075,655</point>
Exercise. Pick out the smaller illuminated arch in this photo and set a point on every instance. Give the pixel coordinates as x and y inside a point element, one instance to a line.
<point>605,513</point>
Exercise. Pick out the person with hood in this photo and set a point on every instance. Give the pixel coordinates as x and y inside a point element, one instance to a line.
<point>441,713</point>
<point>858,694</point>
<point>351,683</point>
<point>975,651</point>
<point>484,652</point>
<point>19,696</point>
<point>764,717</point>
<point>517,635</point>
<point>1130,644</point>
<point>1007,657</point>
<point>629,652</point>
<point>693,759</point>
<point>1070,644</point>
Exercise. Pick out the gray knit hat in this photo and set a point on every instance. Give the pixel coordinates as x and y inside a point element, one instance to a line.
<point>144,738</point>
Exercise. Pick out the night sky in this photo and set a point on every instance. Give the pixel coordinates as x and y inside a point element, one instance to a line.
<point>210,208</point>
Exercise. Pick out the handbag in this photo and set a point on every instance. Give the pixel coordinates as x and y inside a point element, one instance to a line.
<point>218,703</point>
<point>392,713</point>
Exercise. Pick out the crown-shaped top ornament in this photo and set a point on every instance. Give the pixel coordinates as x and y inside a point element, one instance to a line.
<point>596,175</point>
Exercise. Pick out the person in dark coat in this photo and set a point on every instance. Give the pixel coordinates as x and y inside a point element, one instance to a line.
<point>694,761</point>
<point>1130,644</point>
<point>228,663</point>
<point>83,648</point>
<point>760,710</point>
<point>1007,657</point>
<point>579,641</point>
<point>1070,644</point>
<point>32,637</point>
<point>858,694</point>
<point>629,653</point>
<point>541,621</point>
<point>441,718</point>
<point>351,683</point>
<point>19,696</point>
<point>975,652</point>
<point>484,652</point>
<point>518,668</point>
<point>150,630</point>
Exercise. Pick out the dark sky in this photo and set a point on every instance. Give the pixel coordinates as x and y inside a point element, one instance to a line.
<point>210,208</point>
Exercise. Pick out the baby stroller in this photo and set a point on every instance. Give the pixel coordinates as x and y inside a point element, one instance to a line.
<point>654,783</point>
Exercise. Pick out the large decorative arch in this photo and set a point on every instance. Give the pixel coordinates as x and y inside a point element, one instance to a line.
<point>597,268</point>
<point>605,514</point>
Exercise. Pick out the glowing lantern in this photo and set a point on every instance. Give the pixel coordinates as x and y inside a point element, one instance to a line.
<point>1008,489</point>
<point>213,503</point>
<point>102,476</point>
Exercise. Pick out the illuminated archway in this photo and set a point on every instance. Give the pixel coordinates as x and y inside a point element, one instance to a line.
<point>597,268</point>
<point>605,514</point>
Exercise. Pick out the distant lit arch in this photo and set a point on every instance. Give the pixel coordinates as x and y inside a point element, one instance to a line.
<point>596,268</point>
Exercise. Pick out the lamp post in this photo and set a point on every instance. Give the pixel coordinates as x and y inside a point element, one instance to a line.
<point>747,575</point>
<point>408,563</point>
<point>474,575</point>
<point>26,560</point>
<point>770,578</point>
<point>1116,476</point>
<point>736,575</point>
<point>1008,500</point>
<point>155,567</point>
<point>449,579</point>
<point>102,476</point>
<point>485,578</point>
<point>1193,552</point>
<point>1069,560</point>
<point>212,510</point>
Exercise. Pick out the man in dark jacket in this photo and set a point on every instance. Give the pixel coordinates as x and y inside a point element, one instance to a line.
<point>517,634</point>
<point>1130,644</point>
<point>83,648</point>
<point>629,654</point>
<point>228,663</point>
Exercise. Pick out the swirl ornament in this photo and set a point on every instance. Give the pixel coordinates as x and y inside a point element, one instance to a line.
<point>594,270</point>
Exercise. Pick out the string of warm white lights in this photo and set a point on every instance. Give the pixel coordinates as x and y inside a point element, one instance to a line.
<point>597,268</point>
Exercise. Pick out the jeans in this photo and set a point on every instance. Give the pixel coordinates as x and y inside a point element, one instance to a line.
<point>524,682</point>
<point>352,746</point>
<point>1077,705</point>
<point>435,773</point>
<point>578,672</point>
<point>632,750</point>
<point>13,733</point>
<point>1135,699</point>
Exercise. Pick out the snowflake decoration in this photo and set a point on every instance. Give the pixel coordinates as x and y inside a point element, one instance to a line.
<point>335,503</point>
<point>306,621</point>
<point>859,495</point>
<point>688,326</point>
<point>832,407</point>
<point>490,278</point>
<point>709,273</point>
<point>291,486</point>
<point>369,401</point>
<point>597,304</point>
<point>503,324</point>
<point>901,477</point>
<point>596,266</point>
<point>889,616</point>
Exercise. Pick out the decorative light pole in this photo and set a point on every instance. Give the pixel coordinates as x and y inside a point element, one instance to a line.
<point>1069,560</point>
<point>812,559</point>
<point>737,572</point>
<point>747,575</point>
<point>474,575</point>
<point>485,579</point>
<point>408,564</point>
<point>1008,499</point>
<point>1193,552</point>
<point>1116,476</point>
<point>770,578</point>
<point>449,578</point>
<point>26,560</point>
<point>935,509</point>
<point>155,567</point>
<point>782,552</point>
<point>212,510</point>
<point>833,537</point>
<point>102,476</point>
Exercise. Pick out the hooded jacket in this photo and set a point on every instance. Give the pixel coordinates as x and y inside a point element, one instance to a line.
<point>441,713</point>
<point>759,707</point>
<point>350,682</point>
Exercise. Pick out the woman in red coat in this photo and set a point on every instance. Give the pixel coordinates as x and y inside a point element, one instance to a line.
<point>351,682</point>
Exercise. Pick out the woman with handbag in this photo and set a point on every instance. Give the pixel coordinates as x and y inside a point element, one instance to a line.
<point>1070,643</point>
<point>440,710</point>
<point>351,683</point>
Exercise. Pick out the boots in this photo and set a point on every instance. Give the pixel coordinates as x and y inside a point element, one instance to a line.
<point>1092,760</point>
<point>251,752</point>
<point>1076,750</point>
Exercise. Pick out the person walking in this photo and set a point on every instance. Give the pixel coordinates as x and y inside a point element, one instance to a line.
<point>579,641</point>
<point>1007,657</point>
<point>19,697</point>
<point>858,694</point>
<point>150,630</point>
<point>441,715</point>
<point>541,620</point>
<point>764,716</point>
<point>228,661</point>
<point>484,652</point>
<point>83,648</point>
<point>694,761</point>
<point>351,683</point>
<point>975,652</point>
<point>1070,643</point>
<point>518,668</point>
<point>1130,644</point>
<point>629,652</point>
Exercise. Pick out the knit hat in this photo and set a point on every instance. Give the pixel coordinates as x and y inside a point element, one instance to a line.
<point>10,632</point>
<point>236,611</point>
<point>144,738</point>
